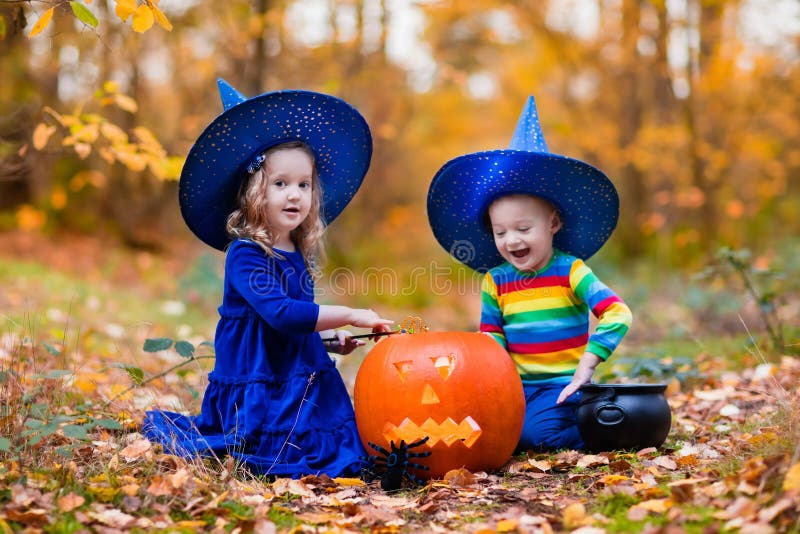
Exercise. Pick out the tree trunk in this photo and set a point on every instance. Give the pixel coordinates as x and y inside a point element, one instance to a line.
<point>633,201</point>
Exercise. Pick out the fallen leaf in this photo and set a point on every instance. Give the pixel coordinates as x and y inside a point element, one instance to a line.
<point>612,480</point>
<point>592,460</point>
<point>792,480</point>
<point>459,478</point>
<point>574,515</point>
<point>179,478</point>
<point>349,481</point>
<point>160,486</point>
<point>666,462</point>
<point>113,518</point>
<point>507,525</point>
<point>69,502</point>
<point>137,449</point>
<point>540,465</point>
<point>31,517</point>
<point>767,515</point>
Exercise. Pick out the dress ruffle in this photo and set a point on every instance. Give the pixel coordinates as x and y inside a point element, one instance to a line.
<point>284,429</point>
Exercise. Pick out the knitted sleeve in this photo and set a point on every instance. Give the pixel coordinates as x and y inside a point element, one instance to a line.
<point>614,316</point>
<point>491,316</point>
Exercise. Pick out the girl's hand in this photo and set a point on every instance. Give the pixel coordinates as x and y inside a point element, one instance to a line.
<point>370,319</point>
<point>583,375</point>
<point>344,344</point>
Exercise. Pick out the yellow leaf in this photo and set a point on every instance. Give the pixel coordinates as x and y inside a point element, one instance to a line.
<point>110,86</point>
<point>42,23</point>
<point>58,198</point>
<point>507,525</point>
<point>349,481</point>
<point>103,493</point>
<point>107,154</point>
<point>161,18</point>
<point>148,141</point>
<point>574,515</point>
<point>143,18</point>
<point>125,102</point>
<point>125,9</point>
<point>133,161</point>
<point>792,480</point>
<point>113,133</point>
<point>88,133</point>
<point>41,134</point>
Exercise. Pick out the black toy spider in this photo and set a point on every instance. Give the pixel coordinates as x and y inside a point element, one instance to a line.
<point>392,467</point>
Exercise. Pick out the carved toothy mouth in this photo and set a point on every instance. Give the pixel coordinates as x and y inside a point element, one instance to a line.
<point>448,431</point>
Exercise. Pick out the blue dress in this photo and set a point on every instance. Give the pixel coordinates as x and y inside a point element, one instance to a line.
<point>274,400</point>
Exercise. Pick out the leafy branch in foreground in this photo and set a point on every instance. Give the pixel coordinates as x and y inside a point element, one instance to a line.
<point>760,284</point>
<point>185,349</point>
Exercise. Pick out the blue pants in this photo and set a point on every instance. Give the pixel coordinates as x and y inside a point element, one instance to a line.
<point>549,426</point>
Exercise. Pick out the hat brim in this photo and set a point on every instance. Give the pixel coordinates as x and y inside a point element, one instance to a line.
<point>464,187</point>
<point>334,130</point>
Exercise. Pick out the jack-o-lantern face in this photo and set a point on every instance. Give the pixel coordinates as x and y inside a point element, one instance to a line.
<point>459,389</point>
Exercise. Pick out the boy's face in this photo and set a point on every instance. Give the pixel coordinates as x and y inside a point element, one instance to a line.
<point>523,227</point>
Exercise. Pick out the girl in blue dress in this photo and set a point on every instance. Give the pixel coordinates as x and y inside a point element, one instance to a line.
<point>275,400</point>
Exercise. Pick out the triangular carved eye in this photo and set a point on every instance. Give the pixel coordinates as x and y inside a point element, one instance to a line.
<point>403,367</point>
<point>444,364</point>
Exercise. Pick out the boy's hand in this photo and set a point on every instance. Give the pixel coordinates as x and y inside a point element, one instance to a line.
<point>583,375</point>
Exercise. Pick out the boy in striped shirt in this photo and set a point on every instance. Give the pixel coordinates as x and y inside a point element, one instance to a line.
<point>537,306</point>
<point>527,218</point>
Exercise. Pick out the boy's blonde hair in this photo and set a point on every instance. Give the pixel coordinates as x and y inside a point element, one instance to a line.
<point>249,221</point>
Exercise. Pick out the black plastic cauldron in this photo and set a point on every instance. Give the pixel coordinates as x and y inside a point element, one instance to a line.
<point>623,416</point>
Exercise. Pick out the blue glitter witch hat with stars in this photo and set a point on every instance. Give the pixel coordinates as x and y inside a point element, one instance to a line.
<point>461,192</point>
<point>218,161</point>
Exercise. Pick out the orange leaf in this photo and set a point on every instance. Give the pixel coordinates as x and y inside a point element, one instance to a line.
<point>143,18</point>
<point>41,134</point>
<point>459,477</point>
<point>125,9</point>
<point>160,486</point>
<point>29,218</point>
<point>161,19</point>
<point>69,502</point>
<point>42,23</point>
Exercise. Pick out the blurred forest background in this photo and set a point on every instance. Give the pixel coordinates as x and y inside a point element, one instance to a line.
<point>690,106</point>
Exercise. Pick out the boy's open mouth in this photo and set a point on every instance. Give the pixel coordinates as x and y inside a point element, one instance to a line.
<point>520,253</point>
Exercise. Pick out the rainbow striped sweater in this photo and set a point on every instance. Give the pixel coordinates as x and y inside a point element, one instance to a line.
<point>542,318</point>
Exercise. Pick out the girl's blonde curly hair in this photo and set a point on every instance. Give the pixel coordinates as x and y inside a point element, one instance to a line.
<point>249,220</point>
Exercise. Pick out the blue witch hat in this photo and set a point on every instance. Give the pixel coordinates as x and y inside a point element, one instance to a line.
<point>462,190</point>
<point>218,161</point>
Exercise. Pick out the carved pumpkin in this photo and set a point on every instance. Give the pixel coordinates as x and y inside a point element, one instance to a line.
<point>460,389</point>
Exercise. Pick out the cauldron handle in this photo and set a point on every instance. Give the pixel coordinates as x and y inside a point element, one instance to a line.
<point>616,407</point>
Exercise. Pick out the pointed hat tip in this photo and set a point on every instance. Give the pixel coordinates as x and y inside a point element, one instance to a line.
<point>230,96</point>
<point>528,136</point>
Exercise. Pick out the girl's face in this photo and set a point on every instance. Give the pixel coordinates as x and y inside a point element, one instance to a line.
<point>289,175</point>
<point>523,227</point>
